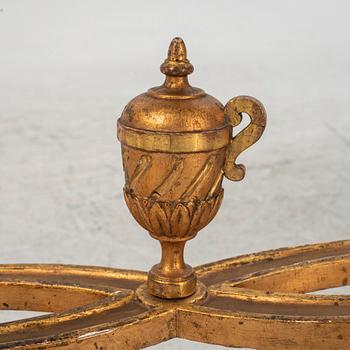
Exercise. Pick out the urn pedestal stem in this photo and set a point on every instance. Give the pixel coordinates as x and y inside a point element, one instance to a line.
<point>172,262</point>
<point>172,278</point>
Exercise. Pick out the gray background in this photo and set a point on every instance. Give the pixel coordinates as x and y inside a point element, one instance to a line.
<point>67,68</point>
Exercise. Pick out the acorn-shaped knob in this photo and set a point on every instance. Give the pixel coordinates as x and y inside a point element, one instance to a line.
<point>176,145</point>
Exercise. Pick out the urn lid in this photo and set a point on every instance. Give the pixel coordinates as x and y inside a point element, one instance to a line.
<point>175,106</point>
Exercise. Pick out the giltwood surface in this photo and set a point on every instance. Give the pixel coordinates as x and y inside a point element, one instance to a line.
<point>177,145</point>
<point>256,301</point>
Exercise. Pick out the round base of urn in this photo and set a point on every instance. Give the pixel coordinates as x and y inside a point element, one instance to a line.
<point>169,286</point>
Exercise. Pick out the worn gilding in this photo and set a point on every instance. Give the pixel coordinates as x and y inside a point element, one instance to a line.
<point>177,147</point>
<point>254,301</point>
<point>179,142</point>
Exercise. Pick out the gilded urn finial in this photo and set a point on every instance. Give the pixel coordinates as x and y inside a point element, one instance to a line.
<point>177,145</point>
<point>177,63</point>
